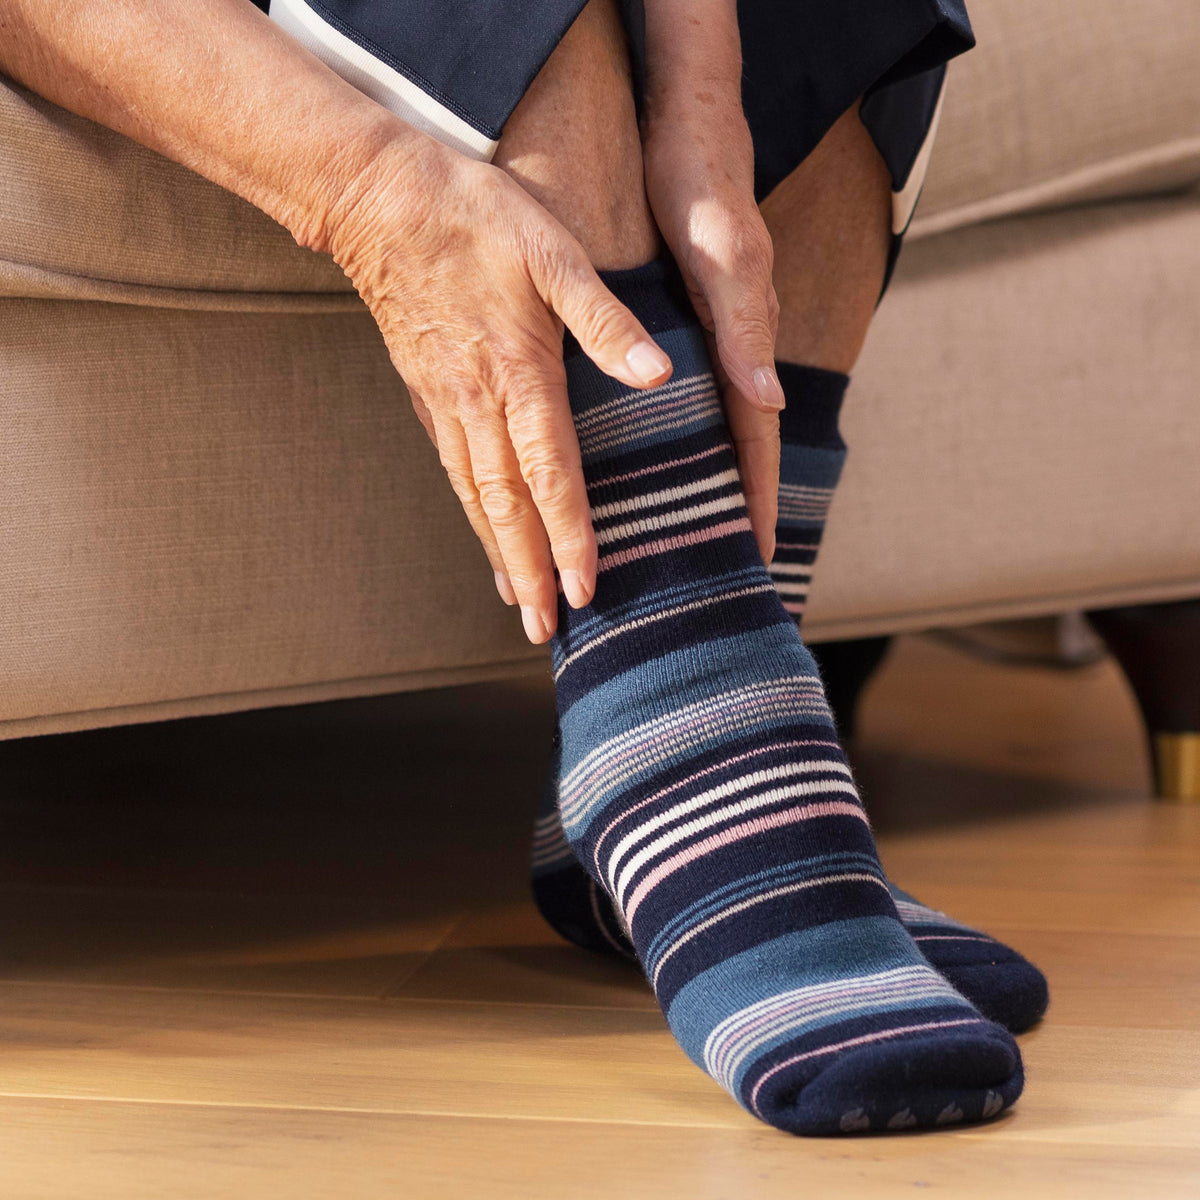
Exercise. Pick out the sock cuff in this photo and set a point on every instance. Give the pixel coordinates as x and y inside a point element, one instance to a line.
<point>814,403</point>
<point>654,292</point>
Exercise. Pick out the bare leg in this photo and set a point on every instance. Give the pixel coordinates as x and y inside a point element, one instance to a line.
<point>573,142</point>
<point>830,221</point>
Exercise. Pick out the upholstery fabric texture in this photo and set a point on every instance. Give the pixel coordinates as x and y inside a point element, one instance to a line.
<point>1064,103</point>
<point>214,495</point>
<point>198,504</point>
<point>1055,105</point>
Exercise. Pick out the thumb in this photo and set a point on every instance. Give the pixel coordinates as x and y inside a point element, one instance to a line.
<point>745,316</point>
<point>607,332</point>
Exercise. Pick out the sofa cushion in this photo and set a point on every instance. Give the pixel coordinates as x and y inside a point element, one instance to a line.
<point>82,207</point>
<point>184,532</point>
<point>1063,103</point>
<point>1059,103</point>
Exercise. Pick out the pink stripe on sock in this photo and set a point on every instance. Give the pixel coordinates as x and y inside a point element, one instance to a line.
<point>660,467</point>
<point>738,833</point>
<point>670,733</point>
<point>664,545</point>
<point>689,783</point>
<point>593,433</point>
<point>914,985</point>
<point>881,1036</point>
<point>948,937</point>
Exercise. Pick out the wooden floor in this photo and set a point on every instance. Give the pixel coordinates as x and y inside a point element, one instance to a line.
<point>290,954</point>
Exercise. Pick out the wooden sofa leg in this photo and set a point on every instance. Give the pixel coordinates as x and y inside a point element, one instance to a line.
<point>1158,648</point>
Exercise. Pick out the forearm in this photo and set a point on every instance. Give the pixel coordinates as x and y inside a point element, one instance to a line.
<point>214,85</point>
<point>693,53</point>
<point>693,114</point>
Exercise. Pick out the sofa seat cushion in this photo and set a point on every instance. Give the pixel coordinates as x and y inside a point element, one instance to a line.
<point>1063,103</point>
<point>1059,103</point>
<point>82,206</point>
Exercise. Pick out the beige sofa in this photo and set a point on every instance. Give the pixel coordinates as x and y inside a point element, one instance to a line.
<point>213,495</point>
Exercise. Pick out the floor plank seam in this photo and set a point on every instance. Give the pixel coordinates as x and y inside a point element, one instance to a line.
<point>320,997</point>
<point>352,1110</point>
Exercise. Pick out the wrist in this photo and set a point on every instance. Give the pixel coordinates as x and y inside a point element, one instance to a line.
<point>338,192</point>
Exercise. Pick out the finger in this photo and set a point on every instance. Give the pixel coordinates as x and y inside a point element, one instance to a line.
<point>543,437</point>
<point>609,334</point>
<point>755,435</point>
<point>514,521</point>
<point>456,459</point>
<point>745,315</point>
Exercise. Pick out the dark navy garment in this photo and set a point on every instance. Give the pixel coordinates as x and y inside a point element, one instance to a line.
<point>806,63</point>
<point>457,68</point>
<point>475,57</point>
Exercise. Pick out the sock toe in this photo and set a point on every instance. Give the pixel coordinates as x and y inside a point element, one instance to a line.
<point>1013,994</point>
<point>918,1082</point>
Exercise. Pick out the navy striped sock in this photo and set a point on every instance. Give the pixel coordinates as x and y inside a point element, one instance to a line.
<point>702,786</point>
<point>995,978</point>
<point>811,457</point>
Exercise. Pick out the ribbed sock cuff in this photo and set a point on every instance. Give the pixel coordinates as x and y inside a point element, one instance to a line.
<point>654,292</point>
<point>814,403</point>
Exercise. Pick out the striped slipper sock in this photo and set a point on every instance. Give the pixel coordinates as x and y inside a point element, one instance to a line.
<point>995,978</point>
<point>702,786</point>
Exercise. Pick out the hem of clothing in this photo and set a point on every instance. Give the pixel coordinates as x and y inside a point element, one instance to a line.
<point>376,74</point>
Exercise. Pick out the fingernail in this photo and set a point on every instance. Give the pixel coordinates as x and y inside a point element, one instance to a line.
<point>768,388</point>
<point>647,362</point>
<point>505,588</point>
<point>577,592</point>
<point>535,627</point>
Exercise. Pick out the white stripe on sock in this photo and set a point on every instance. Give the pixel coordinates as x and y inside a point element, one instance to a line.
<point>652,499</point>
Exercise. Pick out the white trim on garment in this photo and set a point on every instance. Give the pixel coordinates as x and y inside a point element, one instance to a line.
<point>904,202</point>
<point>379,81</point>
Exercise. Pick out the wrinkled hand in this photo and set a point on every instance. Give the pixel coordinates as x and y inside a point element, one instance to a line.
<point>470,281</point>
<point>699,165</point>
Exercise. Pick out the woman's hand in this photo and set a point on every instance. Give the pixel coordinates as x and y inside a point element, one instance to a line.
<point>471,281</point>
<point>699,165</point>
<point>467,275</point>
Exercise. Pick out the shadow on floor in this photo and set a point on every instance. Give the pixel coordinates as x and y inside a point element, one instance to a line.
<point>318,832</point>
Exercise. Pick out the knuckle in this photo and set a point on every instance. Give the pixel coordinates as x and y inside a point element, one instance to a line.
<point>603,323</point>
<point>756,441</point>
<point>541,249</point>
<point>514,380</point>
<point>529,584</point>
<point>550,483</point>
<point>503,504</point>
<point>754,252</point>
<point>549,259</point>
<point>752,326</point>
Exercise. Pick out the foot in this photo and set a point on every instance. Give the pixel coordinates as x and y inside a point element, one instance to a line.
<point>702,786</point>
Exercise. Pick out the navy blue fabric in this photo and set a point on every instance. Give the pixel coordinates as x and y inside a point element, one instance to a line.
<point>805,63</point>
<point>814,405</point>
<point>475,57</point>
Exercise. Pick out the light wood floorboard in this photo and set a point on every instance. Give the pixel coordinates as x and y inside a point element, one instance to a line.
<point>292,954</point>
